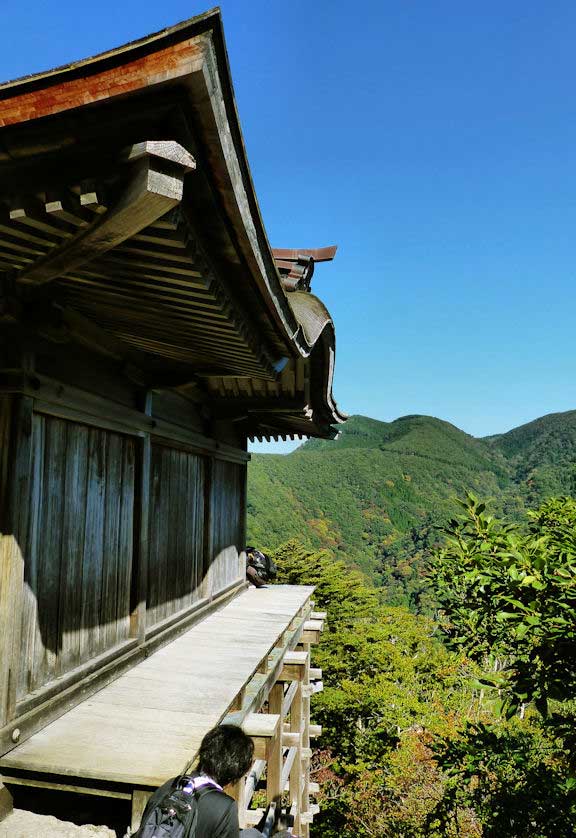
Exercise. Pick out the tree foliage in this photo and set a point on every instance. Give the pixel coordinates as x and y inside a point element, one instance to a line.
<point>509,598</point>
<point>413,744</point>
<point>510,595</point>
<point>389,684</point>
<point>376,496</point>
<point>513,776</point>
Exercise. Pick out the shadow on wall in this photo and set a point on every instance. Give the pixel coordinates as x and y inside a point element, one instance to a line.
<point>69,619</point>
<point>107,526</point>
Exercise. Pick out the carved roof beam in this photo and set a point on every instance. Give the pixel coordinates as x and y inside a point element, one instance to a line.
<point>155,186</point>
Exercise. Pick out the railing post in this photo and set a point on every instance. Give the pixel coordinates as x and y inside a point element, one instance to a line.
<point>295,783</point>
<point>305,798</point>
<point>274,769</point>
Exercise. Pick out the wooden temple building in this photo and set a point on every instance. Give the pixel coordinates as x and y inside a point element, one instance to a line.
<point>147,332</point>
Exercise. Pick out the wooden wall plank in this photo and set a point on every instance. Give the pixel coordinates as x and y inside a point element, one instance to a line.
<point>93,549</point>
<point>139,576</point>
<point>31,638</point>
<point>49,556</point>
<point>197,476</point>
<point>164,525</point>
<point>227,527</point>
<point>127,538</point>
<point>79,561</point>
<point>14,538</point>
<point>74,514</point>
<point>176,532</point>
<point>111,543</point>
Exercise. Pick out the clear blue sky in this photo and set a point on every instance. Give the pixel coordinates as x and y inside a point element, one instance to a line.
<point>435,143</point>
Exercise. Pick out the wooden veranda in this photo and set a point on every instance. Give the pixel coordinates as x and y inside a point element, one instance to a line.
<point>248,664</point>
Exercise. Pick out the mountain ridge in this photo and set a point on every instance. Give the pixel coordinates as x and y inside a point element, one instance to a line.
<point>375,495</point>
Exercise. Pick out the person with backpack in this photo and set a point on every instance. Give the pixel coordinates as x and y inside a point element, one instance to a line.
<point>260,567</point>
<point>194,805</point>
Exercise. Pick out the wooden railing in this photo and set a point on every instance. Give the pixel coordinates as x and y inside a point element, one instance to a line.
<point>283,733</point>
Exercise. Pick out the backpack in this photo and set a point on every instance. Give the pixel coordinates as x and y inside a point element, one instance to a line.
<point>175,815</point>
<point>263,564</point>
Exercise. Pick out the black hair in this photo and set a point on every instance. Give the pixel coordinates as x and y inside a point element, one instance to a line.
<point>226,754</point>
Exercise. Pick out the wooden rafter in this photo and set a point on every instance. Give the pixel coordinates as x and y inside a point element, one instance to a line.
<point>155,187</point>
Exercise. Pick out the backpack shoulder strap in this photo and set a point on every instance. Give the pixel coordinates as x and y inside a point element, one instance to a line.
<point>201,792</point>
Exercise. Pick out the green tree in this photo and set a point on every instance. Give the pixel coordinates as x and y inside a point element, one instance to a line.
<point>512,775</point>
<point>388,684</point>
<point>509,599</point>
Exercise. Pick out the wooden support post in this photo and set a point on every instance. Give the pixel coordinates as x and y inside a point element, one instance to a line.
<point>208,546</point>
<point>295,781</point>
<point>139,800</point>
<point>243,524</point>
<point>238,792</point>
<point>6,804</point>
<point>305,799</point>
<point>14,525</point>
<point>238,700</point>
<point>274,770</point>
<point>290,740</point>
<point>139,592</point>
<point>11,593</point>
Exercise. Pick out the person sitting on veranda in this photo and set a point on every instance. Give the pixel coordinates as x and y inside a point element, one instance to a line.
<point>226,754</point>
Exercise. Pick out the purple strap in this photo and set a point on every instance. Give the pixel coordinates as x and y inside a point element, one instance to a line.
<point>195,783</point>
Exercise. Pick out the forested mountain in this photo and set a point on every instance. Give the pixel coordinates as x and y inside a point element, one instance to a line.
<point>374,495</point>
<point>541,455</point>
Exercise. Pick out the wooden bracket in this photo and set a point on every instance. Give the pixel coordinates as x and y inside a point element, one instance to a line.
<point>263,728</point>
<point>156,186</point>
<point>294,668</point>
<point>312,630</point>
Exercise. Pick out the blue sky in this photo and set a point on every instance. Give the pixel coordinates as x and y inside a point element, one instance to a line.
<point>435,143</point>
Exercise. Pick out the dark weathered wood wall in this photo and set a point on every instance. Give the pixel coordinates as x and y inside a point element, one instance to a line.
<point>79,554</point>
<point>176,540</point>
<point>118,525</point>
<point>226,524</point>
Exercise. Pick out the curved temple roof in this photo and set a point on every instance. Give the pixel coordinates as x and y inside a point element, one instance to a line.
<point>127,204</point>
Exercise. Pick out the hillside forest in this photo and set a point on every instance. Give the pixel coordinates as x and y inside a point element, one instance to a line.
<point>447,566</point>
<point>376,496</point>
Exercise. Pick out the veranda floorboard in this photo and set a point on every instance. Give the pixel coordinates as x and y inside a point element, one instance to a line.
<point>145,726</point>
